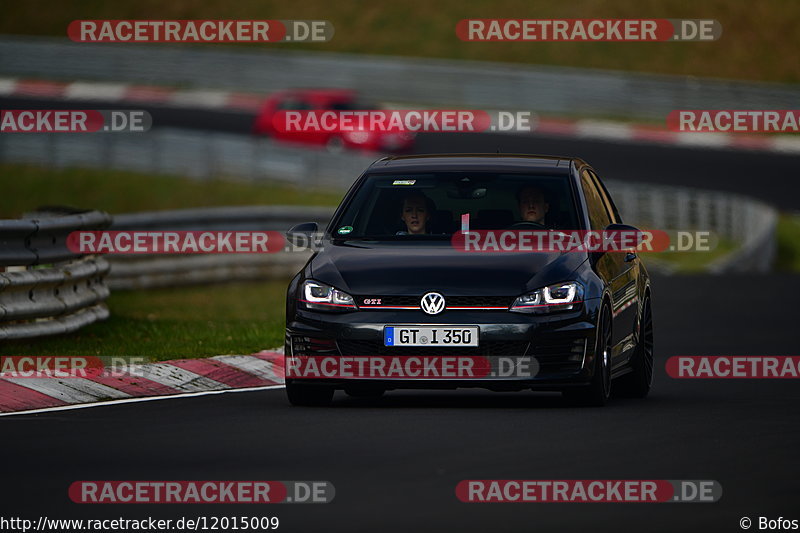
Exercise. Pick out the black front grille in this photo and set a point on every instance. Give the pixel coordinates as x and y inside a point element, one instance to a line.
<point>358,347</point>
<point>451,301</point>
<point>480,301</point>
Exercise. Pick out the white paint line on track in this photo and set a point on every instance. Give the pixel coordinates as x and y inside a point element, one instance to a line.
<point>137,400</point>
<point>7,86</point>
<point>687,138</point>
<point>786,144</point>
<point>72,390</point>
<point>251,365</point>
<point>177,378</point>
<point>95,91</point>
<point>603,130</point>
<point>200,98</point>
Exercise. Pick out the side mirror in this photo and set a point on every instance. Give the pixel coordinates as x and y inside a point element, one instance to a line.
<point>302,235</point>
<point>626,238</point>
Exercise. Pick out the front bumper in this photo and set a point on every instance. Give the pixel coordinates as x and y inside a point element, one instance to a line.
<point>544,352</point>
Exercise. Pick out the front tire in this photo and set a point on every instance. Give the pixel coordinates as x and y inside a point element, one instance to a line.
<point>308,395</point>
<point>597,393</point>
<point>637,383</point>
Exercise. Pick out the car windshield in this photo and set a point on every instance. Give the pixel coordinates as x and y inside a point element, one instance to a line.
<point>435,205</point>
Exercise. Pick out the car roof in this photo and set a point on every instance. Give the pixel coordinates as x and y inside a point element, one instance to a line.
<point>475,162</point>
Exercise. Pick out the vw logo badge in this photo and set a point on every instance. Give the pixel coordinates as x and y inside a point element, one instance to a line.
<point>432,303</point>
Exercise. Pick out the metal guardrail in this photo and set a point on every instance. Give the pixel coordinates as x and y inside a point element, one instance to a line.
<point>465,84</point>
<point>747,222</point>
<point>195,154</point>
<point>147,271</point>
<point>45,289</point>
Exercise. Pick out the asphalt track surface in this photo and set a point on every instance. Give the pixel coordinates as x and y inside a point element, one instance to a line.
<point>395,462</point>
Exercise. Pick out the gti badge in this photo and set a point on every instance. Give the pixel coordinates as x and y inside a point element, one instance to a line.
<point>432,303</point>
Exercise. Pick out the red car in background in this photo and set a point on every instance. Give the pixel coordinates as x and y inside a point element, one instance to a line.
<point>325,100</point>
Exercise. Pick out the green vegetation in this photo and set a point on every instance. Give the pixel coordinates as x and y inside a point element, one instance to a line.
<point>238,318</point>
<point>788,243</point>
<point>689,261</point>
<point>759,40</point>
<point>27,187</point>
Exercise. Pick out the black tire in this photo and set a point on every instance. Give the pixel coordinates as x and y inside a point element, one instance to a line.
<point>308,395</point>
<point>637,383</point>
<point>597,393</point>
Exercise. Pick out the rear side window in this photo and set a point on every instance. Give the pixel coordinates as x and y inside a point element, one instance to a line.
<point>609,202</point>
<point>599,218</point>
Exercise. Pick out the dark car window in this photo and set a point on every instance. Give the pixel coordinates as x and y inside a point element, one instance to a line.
<point>608,201</point>
<point>599,218</point>
<point>483,200</point>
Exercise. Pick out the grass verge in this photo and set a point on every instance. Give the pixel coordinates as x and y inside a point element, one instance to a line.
<point>26,187</point>
<point>162,324</point>
<point>759,39</point>
<point>788,254</point>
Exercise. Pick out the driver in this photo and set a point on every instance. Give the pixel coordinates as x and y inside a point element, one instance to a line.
<point>533,205</point>
<point>416,213</point>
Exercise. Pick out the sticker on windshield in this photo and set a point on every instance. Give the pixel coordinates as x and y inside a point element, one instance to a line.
<point>404,182</point>
<point>344,230</point>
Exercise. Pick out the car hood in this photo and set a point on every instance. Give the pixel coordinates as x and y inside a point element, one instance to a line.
<point>394,268</point>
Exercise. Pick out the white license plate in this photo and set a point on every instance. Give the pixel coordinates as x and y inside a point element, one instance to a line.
<point>430,335</point>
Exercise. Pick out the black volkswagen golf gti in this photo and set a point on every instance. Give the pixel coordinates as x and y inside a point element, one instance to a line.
<point>391,300</point>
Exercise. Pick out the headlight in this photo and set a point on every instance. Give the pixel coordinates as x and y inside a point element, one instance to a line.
<point>318,296</point>
<point>558,297</point>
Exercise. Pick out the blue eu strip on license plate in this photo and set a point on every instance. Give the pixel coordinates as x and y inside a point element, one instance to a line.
<point>388,336</point>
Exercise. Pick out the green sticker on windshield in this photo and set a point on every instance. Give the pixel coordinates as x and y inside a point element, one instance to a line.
<point>344,230</point>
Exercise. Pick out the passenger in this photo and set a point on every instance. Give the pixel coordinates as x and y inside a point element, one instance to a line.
<point>416,213</point>
<point>533,205</point>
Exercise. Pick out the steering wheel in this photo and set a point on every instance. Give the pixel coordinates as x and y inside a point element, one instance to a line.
<point>527,224</point>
